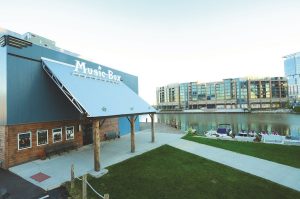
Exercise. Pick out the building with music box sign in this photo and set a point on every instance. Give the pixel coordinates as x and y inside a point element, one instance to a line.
<point>51,100</point>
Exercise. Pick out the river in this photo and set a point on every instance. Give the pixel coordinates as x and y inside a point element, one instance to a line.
<point>283,123</point>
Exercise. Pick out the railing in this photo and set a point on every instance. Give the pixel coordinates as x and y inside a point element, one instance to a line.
<point>84,192</point>
<point>84,187</point>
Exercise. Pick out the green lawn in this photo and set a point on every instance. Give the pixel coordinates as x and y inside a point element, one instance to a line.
<point>283,154</point>
<point>167,172</point>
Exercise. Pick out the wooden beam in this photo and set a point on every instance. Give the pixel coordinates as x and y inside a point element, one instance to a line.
<point>122,115</point>
<point>152,127</point>
<point>101,123</point>
<point>96,132</point>
<point>84,187</point>
<point>72,177</point>
<point>106,196</point>
<point>132,125</point>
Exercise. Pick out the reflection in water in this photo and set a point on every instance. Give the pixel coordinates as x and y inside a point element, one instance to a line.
<point>285,124</point>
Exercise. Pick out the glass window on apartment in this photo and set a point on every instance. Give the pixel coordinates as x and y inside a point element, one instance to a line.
<point>24,140</point>
<point>70,132</point>
<point>57,135</point>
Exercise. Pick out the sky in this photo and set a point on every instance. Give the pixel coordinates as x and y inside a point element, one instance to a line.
<point>167,41</point>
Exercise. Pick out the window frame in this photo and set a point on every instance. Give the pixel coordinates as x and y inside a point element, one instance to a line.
<point>61,138</point>
<point>19,140</point>
<point>73,127</point>
<point>37,137</point>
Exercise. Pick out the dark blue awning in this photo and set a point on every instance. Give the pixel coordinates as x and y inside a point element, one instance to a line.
<point>96,92</point>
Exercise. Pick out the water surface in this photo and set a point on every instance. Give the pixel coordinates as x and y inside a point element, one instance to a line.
<point>283,123</point>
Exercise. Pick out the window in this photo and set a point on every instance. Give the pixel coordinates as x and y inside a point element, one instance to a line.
<point>57,135</point>
<point>24,140</point>
<point>70,132</point>
<point>42,137</point>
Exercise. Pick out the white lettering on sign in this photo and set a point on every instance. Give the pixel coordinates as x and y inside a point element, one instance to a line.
<point>81,69</point>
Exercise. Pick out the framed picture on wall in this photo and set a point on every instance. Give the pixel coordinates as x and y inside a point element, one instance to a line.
<point>70,132</point>
<point>24,140</point>
<point>57,135</point>
<point>42,137</point>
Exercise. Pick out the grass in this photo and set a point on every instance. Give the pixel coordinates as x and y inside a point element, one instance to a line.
<point>167,172</point>
<point>283,154</point>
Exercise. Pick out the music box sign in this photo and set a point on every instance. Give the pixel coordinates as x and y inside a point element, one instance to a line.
<point>82,70</point>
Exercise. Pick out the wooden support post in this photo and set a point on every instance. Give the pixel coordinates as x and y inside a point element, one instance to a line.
<point>106,196</point>
<point>72,177</point>
<point>84,190</point>
<point>152,127</point>
<point>132,133</point>
<point>96,132</point>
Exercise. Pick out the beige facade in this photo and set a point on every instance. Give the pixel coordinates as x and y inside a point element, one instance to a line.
<point>244,93</point>
<point>168,96</point>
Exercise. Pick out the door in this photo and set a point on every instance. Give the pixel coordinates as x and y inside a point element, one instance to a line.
<point>87,134</point>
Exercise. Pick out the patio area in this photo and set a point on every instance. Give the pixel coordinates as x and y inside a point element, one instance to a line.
<point>53,172</point>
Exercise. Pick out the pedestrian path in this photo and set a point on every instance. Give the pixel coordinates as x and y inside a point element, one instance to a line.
<point>281,174</point>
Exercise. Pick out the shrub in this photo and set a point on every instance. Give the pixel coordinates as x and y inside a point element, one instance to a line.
<point>297,109</point>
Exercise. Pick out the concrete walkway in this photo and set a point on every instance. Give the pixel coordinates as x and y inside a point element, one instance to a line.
<point>281,174</point>
<point>112,152</point>
<point>58,168</point>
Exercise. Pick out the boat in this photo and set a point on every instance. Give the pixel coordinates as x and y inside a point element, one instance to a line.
<point>244,133</point>
<point>292,140</point>
<point>223,130</point>
<point>272,137</point>
<point>269,133</point>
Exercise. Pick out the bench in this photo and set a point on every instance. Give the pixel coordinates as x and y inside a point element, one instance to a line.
<point>111,135</point>
<point>59,148</point>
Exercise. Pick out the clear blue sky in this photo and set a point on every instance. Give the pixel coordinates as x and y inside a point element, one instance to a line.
<point>167,41</point>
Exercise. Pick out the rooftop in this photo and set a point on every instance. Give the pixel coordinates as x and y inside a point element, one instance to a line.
<point>292,55</point>
<point>37,40</point>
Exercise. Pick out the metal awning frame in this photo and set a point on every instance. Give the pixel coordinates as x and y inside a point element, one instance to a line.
<point>65,91</point>
<point>124,115</point>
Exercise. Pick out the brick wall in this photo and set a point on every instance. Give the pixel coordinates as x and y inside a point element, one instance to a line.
<point>15,156</point>
<point>110,125</point>
<point>2,145</point>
